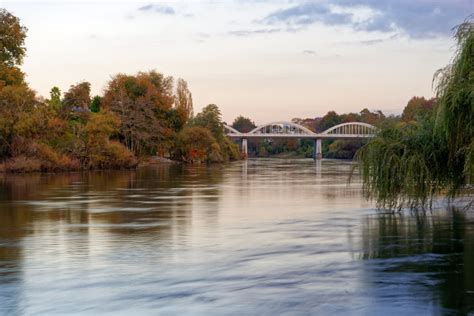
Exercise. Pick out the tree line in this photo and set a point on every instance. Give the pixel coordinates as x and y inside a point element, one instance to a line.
<point>137,116</point>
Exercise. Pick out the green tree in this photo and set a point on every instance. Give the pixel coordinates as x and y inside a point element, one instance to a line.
<point>243,124</point>
<point>210,118</point>
<point>329,120</point>
<point>406,164</point>
<point>55,98</point>
<point>95,104</point>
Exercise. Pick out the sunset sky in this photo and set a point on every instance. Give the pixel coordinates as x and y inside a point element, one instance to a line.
<point>269,60</point>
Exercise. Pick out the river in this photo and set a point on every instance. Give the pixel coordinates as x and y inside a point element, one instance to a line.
<point>256,237</point>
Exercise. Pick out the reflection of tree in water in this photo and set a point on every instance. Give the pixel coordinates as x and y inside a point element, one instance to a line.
<point>117,197</point>
<point>152,206</point>
<point>439,246</point>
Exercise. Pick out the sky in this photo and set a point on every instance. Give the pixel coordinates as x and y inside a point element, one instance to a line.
<point>267,60</point>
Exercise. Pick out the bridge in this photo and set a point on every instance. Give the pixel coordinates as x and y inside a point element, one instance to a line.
<point>288,130</point>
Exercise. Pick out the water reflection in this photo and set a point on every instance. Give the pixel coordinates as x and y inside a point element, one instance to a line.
<point>253,237</point>
<point>423,258</point>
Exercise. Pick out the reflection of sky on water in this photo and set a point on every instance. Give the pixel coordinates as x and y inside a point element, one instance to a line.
<point>260,237</point>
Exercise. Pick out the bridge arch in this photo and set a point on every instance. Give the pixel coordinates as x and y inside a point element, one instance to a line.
<point>351,128</point>
<point>231,130</point>
<point>281,128</point>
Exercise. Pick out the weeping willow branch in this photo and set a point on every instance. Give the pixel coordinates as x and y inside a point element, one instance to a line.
<point>407,164</point>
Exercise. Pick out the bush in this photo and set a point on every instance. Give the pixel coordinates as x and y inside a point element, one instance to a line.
<point>195,144</point>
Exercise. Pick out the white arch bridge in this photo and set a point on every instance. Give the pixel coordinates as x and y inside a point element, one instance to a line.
<point>351,130</point>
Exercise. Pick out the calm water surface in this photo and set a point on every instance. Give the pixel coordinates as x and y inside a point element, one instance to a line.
<point>261,237</point>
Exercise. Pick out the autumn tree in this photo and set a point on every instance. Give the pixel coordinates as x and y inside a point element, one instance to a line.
<point>78,97</point>
<point>210,118</point>
<point>197,144</point>
<point>16,102</point>
<point>183,100</point>
<point>12,41</point>
<point>12,49</point>
<point>416,107</point>
<point>141,102</point>
<point>100,151</point>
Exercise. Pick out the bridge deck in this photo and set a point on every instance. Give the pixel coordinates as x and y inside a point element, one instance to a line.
<point>306,136</point>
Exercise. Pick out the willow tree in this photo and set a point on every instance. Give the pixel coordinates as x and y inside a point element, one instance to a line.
<point>407,164</point>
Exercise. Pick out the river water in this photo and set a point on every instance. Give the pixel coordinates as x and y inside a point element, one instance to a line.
<point>256,237</point>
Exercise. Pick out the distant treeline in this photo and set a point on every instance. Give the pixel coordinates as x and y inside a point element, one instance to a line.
<point>416,108</point>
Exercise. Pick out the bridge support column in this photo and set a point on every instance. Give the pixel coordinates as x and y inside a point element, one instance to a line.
<point>244,147</point>
<point>318,149</point>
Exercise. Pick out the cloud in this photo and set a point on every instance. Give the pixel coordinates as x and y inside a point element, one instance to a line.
<point>157,8</point>
<point>307,13</point>
<point>379,40</point>
<point>309,52</point>
<point>254,32</point>
<point>417,19</point>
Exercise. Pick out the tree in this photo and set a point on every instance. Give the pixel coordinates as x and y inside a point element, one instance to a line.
<point>243,124</point>
<point>95,104</point>
<point>142,103</point>
<point>417,106</point>
<point>78,97</point>
<point>371,117</point>
<point>406,164</point>
<point>100,151</point>
<point>183,102</point>
<point>12,49</point>
<point>197,144</point>
<point>329,120</point>
<point>55,98</point>
<point>12,41</point>
<point>16,102</point>
<point>210,118</point>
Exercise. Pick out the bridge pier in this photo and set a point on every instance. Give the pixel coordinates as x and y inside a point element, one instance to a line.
<point>244,147</point>
<point>318,149</point>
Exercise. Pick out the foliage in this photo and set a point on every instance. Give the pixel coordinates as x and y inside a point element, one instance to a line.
<point>416,107</point>
<point>210,118</point>
<point>16,102</point>
<point>55,98</point>
<point>343,149</point>
<point>183,100</point>
<point>138,115</point>
<point>407,164</point>
<point>100,152</point>
<point>78,97</point>
<point>196,144</point>
<point>95,104</point>
<point>455,113</point>
<point>140,102</point>
<point>12,39</point>
<point>243,124</point>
